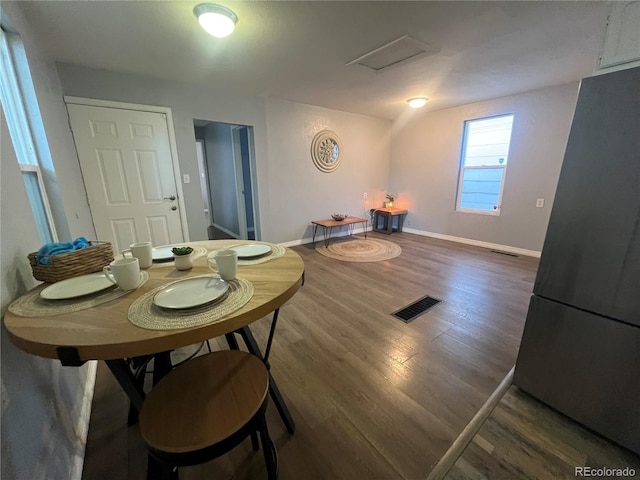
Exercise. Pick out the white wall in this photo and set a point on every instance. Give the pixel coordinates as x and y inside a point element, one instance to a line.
<point>425,160</point>
<point>299,192</point>
<point>291,192</point>
<point>44,410</point>
<point>44,406</point>
<point>68,200</point>
<point>187,102</point>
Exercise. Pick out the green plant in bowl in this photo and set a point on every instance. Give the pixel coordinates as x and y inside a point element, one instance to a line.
<point>179,251</point>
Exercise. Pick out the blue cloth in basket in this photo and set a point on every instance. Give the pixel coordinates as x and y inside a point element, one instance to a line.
<point>56,248</point>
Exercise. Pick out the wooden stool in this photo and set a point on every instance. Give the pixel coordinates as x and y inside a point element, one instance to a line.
<point>206,407</point>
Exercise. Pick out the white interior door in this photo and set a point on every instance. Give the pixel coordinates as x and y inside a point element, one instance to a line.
<point>127,166</point>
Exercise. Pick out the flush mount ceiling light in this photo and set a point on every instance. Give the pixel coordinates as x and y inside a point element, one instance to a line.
<point>417,102</point>
<point>217,20</point>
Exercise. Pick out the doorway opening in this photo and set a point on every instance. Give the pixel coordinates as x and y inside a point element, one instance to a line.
<point>226,165</point>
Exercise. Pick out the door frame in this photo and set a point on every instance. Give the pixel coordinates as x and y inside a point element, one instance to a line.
<point>238,173</point>
<point>253,169</point>
<point>201,151</point>
<point>92,102</point>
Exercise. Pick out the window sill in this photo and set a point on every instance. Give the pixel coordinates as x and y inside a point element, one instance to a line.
<point>495,213</point>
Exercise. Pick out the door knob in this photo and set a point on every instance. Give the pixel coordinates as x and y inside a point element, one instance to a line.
<point>173,207</point>
<point>170,197</point>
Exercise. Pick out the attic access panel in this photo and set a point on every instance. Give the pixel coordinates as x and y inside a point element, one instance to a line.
<point>398,52</point>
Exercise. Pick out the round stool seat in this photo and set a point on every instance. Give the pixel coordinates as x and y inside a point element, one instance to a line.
<point>203,402</point>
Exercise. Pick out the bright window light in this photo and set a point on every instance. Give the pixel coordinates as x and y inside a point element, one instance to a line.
<point>15,106</point>
<point>483,166</point>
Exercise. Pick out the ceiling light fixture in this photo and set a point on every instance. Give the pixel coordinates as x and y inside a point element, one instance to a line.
<point>417,102</point>
<point>217,20</point>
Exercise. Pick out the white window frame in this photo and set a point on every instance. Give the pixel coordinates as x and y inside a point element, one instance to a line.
<point>45,201</point>
<point>15,110</point>
<point>462,168</point>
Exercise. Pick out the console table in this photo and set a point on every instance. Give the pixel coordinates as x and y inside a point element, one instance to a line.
<point>327,226</point>
<point>387,214</point>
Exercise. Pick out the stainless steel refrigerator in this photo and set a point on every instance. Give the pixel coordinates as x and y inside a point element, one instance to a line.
<point>580,350</point>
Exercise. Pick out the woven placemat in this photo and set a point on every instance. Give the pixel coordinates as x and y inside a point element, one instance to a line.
<point>197,253</point>
<point>277,251</point>
<point>31,305</point>
<point>144,313</point>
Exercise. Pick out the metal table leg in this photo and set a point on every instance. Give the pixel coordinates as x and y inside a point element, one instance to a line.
<point>327,238</point>
<point>276,396</point>
<point>161,365</point>
<point>127,381</point>
<point>231,341</point>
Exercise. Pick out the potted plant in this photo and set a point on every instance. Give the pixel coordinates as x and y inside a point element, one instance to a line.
<point>390,199</point>
<point>182,257</point>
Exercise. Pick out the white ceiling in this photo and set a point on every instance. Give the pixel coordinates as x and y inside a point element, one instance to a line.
<point>297,50</point>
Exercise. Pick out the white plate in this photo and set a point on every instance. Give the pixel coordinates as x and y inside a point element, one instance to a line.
<point>252,250</point>
<point>191,292</point>
<point>164,253</point>
<point>76,287</point>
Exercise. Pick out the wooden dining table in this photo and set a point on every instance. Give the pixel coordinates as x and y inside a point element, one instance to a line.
<point>104,332</point>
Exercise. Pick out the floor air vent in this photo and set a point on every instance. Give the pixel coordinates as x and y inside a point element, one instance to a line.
<point>417,308</point>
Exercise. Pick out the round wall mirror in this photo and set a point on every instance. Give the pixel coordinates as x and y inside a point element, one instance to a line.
<point>326,150</point>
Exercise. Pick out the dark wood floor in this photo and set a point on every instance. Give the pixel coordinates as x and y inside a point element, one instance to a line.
<point>373,397</point>
<point>523,438</point>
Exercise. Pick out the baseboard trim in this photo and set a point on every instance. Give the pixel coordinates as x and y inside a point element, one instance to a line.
<point>466,436</point>
<point>440,236</point>
<point>320,238</point>
<point>476,243</point>
<point>83,421</point>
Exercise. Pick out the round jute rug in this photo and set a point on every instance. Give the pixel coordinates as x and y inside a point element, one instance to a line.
<point>360,250</point>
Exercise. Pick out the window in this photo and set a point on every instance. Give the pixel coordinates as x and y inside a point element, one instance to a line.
<point>12,95</point>
<point>483,166</point>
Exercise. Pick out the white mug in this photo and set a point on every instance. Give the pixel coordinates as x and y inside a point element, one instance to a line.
<point>141,251</point>
<point>225,262</point>
<point>124,272</point>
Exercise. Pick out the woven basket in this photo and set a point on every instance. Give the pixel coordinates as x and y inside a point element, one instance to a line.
<point>72,264</point>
